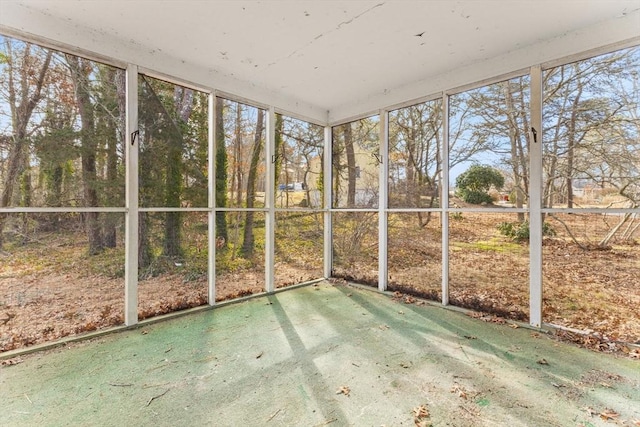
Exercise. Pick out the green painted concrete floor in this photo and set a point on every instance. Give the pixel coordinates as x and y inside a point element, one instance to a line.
<point>322,355</point>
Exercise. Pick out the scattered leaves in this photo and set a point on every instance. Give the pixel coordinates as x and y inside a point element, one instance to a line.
<point>459,390</point>
<point>11,362</point>
<point>421,416</point>
<point>344,390</point>
<point>609,414</point>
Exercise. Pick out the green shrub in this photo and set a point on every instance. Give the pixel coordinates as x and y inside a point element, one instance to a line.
<point>473,185</point>
<point>475,197</point>
<point>519,231</point>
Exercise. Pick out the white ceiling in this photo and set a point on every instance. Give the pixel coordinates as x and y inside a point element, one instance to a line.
<point>328,59</point>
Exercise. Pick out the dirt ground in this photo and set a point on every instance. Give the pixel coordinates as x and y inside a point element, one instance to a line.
<point>41,308</point>
<point>44,297</point>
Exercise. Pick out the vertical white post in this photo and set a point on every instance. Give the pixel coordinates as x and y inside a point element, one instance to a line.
<point>132,140</point>
<point>444,199</point>
<point>326,184</point>
<point>269,196</point>
<point>383,189</point>
<point>211,277</point>
<point>535,200</point>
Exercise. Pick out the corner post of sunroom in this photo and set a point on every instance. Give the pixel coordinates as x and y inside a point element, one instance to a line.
<point>132,140</point>
<point>535,200</point>
<point>326,203</point>
<point>383,201</point>
<point>269,193</point>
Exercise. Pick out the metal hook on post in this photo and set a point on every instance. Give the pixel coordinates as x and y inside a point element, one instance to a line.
<point>534,132</point>
<point>377,157</point>
<point>134,135</point>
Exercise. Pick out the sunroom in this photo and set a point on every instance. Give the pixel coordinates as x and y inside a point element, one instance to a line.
<point>165,158</point>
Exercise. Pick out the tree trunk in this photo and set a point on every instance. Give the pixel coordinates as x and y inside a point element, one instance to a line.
<point>237,175</point>
<point>512,124</point>
<point>221,174</point>
<point>115,136</point>
<point>21,111</point>
<point>351,166</point>
<point>183,101</point>
<point>248,240</point>
<point>80,70</point>
<point>572,139</point>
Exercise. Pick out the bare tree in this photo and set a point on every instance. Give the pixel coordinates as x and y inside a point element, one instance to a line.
<point>26,78</point>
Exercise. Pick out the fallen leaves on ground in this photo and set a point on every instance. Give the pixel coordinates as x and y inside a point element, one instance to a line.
<point>11,362</point>
<point>421,416</point>
<point>459,390</point>
<point>609,414</point>
<point>344,390</point>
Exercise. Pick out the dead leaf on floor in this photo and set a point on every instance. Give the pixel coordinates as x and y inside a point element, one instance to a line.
<point>400,312</point>
<point>609,414</point>
<point>349,294</point>
<point>259,355</point>
<point>383,327</point>
<point>11,362</point>
<point>535,335</point>
<point>470,337</point>
<point>590,411</point>
<point>421,415</point>
<point>459,390</point>
<point>636,423</point>
<point>144,332</point>
<point>542,361</point>
<point>513,325</point>
<point>344,390</point>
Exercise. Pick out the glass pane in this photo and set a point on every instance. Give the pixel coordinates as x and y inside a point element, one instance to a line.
<point>298,166</point>
<point>240,255</point>
<point>299,247</point>
<point>172,262</point>
<point>51,283</point>
<point>489,264</point>
<point>489,145</point>
<point>173,145</point>
<point>415,254</point>
<point>591,120</point>
<point>356,162</point>
<point>355,247</point>
<point>64,146</point>
<point>591,266</point>
<point>240,155</point>
<point>415,144</point>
